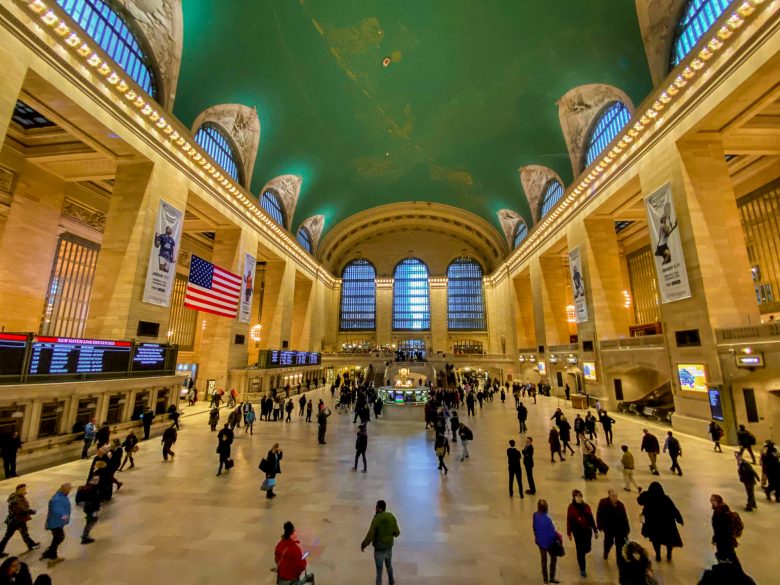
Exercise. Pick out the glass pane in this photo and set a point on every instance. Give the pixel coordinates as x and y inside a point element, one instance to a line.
<point>465,301</point>
<point>358,296</point>
<point>411,300</point>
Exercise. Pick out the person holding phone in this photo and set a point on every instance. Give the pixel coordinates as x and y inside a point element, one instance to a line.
<point>290,559</point>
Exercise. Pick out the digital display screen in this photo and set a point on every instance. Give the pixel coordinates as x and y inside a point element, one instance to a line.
<point>62,355</point>
<point>149,356</point>
<point>542,368</point>
<point>314,359</point>
<point>716,409</point>
<point>287,358</point>
<point>12,348</point>
<point>589,370</point>
<point>750,360</point>
<point>274,361</point>
<point>692,377</point>
<point>301,358</point>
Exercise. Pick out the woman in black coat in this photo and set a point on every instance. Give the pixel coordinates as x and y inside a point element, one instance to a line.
<point>660,519</point>
<point>273,466</point>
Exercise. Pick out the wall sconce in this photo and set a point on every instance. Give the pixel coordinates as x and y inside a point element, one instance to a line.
<point>255,331</point>
<point>571,314</point>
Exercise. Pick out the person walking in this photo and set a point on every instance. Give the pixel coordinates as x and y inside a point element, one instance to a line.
<point>579,428</point>
<point>470,404</point>
<point>301,404</point>
<point>290,560</point>
<point>636,568</point>
<point>441,447</point>
<point>661,518</point>
<point>580,526</point>
<point>249,420</point>
<point>627,465</point>
<point>14,572</point>
<point>716,434</point>
<point>89,437</point>
<point>130,447</point>
<point>289,407</point>
<point>564,432</point>
<point>555,445</point>
<point>224,441</point>
<point>309,408</point>
<point>89,496</point>
<point>466,436</point>
<point>381,535</point>
<point>548,540</point>
<point>169,437</point>
<point>612,521</point>
<point>19,514</point>
<point>770,469</point>
<point>454,426</point>
<point>273,467</point>
<point>651,446</point>
<point>322,425</point>
<point>173,415</point>
<point>213,418</point>
<point>522,417</point>
<point>9,448</point>
<point>513,458</point>
<point>57,518</point>
<point>726,529</point>
<point>606,424</point>
<point>675,451</point>
<point>749,478</point>
<point>528,464</point>
<point>361,444</point>
<point>746,440</point>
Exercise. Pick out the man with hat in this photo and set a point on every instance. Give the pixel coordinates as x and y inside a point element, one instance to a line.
<point>19,514</point>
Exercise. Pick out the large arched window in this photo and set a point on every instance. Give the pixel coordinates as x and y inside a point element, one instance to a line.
<point>606,127</point>
<point>304,238</point>
<point>216,142</point>
<point>697,18</point>
<point>358,296</point>
<point>553,191</point>
<point>273,206</point>
<point>411,299</point>
<point>109,30</point>
<point>521,233</point>
<point>465,301</point>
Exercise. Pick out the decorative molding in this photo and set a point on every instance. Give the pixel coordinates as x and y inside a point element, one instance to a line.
<point>658,24</point>
<point>81,213</point>
<point>7,179</point>
<point>242,125</point>
<point>287,188</point>
<point>578,108</point>
<point>509,220</point>
<point>534,179</point>
<point>314,226</point>
<point>184,259</point>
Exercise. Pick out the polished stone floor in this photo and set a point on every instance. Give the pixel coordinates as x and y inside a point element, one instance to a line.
<point>176,523</point>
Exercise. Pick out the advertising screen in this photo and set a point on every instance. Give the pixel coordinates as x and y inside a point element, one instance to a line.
<point>716,409</point>
<point>149,357</point>
<point>542,368</point>
<point>53,356</point>
<point>12,348</point>
<point>314,359</point>
<point>692,377</point>
<point>589,370</point>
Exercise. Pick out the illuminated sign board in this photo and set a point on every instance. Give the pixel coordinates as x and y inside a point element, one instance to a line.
<point>12,350</point>
<point>51,356</point>
<point>692,377</point>
<point>716,408</point>
<point>149,356</point>
<point>542,368</point>
<point>589,371</point>
<point>750,360</point>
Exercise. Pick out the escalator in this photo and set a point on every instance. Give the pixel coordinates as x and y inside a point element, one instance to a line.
<point>657,405</point>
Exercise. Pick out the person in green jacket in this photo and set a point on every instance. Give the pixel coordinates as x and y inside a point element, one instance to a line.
<point>381,534</point>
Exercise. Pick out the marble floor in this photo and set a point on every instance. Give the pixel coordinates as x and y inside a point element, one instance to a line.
<point>177,523</point>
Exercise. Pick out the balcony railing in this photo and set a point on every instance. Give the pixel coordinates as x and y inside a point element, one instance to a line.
<point>643,341</point>
<point>770,331</point>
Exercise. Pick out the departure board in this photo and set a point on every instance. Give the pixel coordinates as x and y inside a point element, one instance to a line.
<point>52,356</point>
<point>301,358</point>
<point>314,359</point>
<point>287,358</point>
<point>12,350</point>
<point>274,359</point>
<point>149,357</point>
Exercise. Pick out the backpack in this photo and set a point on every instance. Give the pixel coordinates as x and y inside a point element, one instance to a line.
<point>751,439</point>
<point>735,524</point>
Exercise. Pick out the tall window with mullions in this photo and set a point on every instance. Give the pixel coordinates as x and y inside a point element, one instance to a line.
<point>219,146</point>
<point>70,287</point>
<point>697,18</point>
<point>273,206</point>
<point>109,30</point>
<point>358,296</point>
<point>465,299</point>
<point>411,296</point>
<point>607,126</point>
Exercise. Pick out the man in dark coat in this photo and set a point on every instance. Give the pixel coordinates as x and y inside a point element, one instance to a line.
<point>513,457</point>
<point>322,425</point>
<point>606,423</point>
<point>522,416</point>
<point>528,463</point>
<point>361,444</point>
<point>652,448</point>
<point>273,468</point>
<point>726,529</point>
<point>9,447</point>
<point>168,440</point>
<point>147,418</point>
<point>612,520</point>
<point>746,440</point>
<point>224,441</point>
<point>672,445</point>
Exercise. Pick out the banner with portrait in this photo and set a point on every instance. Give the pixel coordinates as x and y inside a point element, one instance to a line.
<point>578,286</point>
<point>247,288</point>
<point>161,272</point>
<point>667,246</point>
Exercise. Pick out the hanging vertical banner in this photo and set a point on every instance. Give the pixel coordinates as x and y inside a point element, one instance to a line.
<point>161,273</point>
<point>247,288</point>
<point>578,286</point>
<point>667,246</point>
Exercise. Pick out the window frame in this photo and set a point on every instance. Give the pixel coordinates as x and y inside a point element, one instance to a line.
<point>307,243</point>
<point>426,298</point>
<point>478,320</point>
<point>221,153</point>
<point>359,308</point>
<point>272,195</point>
<point>520,225</point>
<point>547,196</point>
<point>683,26</point>
<point>596,132</point>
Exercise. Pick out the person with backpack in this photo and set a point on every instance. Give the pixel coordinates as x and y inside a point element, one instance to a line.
<point>716,434</point>
<point>746,440</point>
<point>465,437</point>
<point>249,420</point>
<point>749,478</point>
<point>19,514</point>
<point>130,446</point>
<point>726,529</point>
<point>672,445</point>
<point>271,466</point>
<point>169,440</point>
<point>213,418</point>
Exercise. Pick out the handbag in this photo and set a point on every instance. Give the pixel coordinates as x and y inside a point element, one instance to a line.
<point>263,465</point>
<point>557,547</point>
<point>439,451</point>
<point>268,483</point>
<point>229,464</point>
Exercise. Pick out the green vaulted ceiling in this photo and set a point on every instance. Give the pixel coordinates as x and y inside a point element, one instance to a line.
<point>469,97</point>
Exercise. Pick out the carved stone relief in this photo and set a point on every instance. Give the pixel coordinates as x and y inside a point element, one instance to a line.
<point>658,22</point>
<point>243,126</point>
<point>288,188</point>
<point>85,215</point>
<point>162,24</point>
<point>576,111</point>
<point>509,220</point>
<point>534,179</point>
<point>314,226</point>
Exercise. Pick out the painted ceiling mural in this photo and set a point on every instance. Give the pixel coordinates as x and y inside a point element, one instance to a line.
<point>373,102</point>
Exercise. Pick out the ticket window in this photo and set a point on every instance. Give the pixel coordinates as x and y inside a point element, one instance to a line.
<point>139,407</point>
<point>11,418</point>
<point>84,413</point>
<point>114,412</point>
<point>51,418</point>
<point>162,401</point>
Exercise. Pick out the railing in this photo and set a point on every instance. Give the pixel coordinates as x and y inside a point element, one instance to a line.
<point>528,350</point>
<point>565,348</point>
<point>750,333</point>
<point>654,341</point>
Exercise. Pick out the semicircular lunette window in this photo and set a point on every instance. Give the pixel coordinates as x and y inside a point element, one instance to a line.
<point>411,296</point>
<point>304,239</point>
<point>110,31</point>
<point>215,142</point>
<point>358,296</point>
<point>553,192</point>
<point>697,18</point>
<point>273,206</point>
<point>613,119</point>
<point>465,301</point>
<point>521,233</point>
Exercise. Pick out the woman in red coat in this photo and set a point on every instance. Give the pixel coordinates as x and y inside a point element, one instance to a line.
<point>289,558</point>
<point>580,525</point>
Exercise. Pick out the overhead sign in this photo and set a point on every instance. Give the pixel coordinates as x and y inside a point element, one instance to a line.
<point>667,246</point>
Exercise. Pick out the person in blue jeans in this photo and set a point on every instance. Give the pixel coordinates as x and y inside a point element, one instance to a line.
<point>382,534</point>
<point>89,437</point>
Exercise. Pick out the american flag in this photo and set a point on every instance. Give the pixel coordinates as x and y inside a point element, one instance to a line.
<point>212,289</point>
